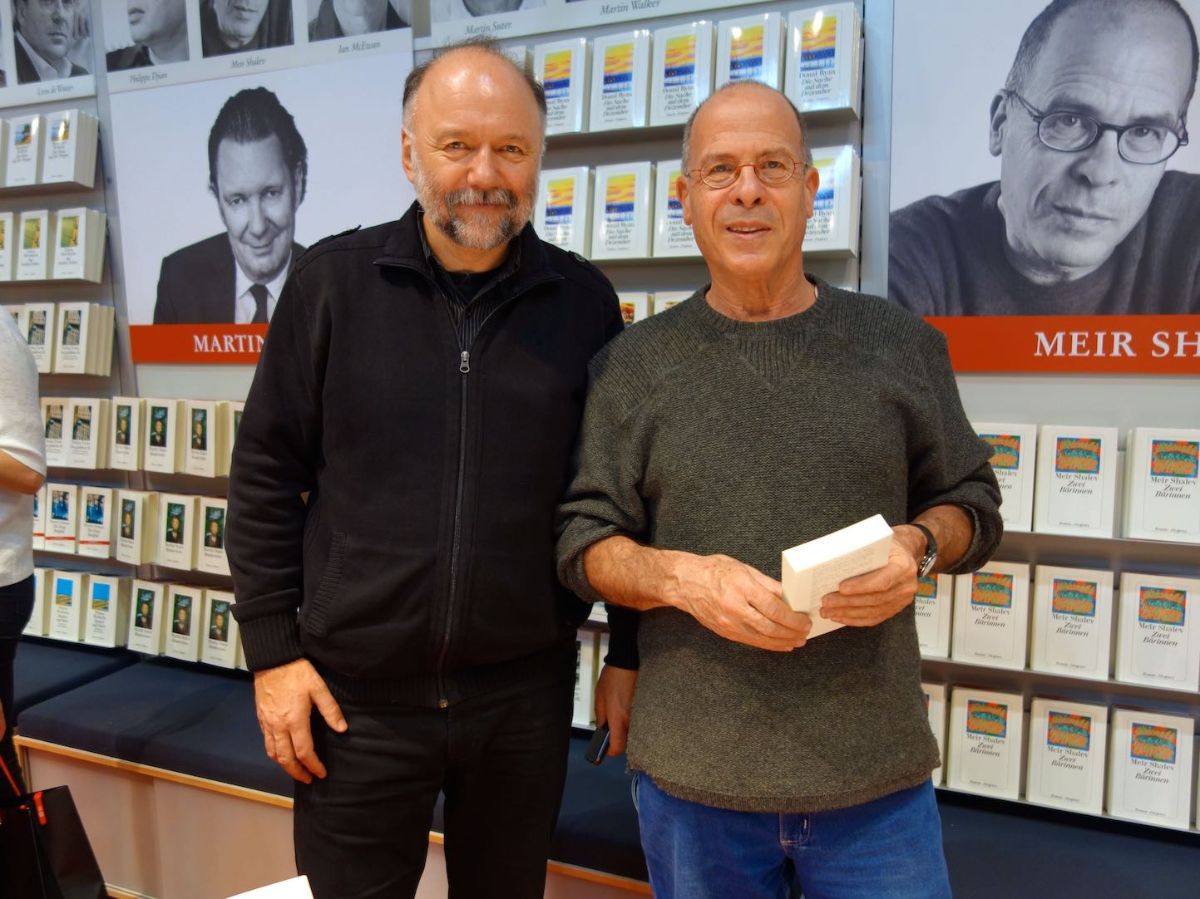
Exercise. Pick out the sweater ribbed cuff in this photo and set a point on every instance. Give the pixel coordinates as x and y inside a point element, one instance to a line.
<point>271,641</point>
<point>622,641</point>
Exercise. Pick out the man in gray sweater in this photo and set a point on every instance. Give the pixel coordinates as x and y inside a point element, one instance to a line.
<point>767,410</point>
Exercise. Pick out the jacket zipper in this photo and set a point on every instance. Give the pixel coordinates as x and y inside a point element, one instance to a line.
<point>464,369</point>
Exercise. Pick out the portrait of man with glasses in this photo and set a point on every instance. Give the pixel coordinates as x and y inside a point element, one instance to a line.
<point>1085,217</point>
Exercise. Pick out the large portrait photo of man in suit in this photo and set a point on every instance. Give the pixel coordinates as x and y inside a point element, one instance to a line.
<point>258,173</point>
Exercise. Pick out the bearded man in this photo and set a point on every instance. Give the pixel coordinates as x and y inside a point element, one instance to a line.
<point>392,503</point>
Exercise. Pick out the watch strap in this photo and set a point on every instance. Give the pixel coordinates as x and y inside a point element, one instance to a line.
<point>925,565</point>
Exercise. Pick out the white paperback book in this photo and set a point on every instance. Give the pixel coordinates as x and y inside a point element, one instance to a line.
<point>128,433</point>
<point>635,305</point>
<point>176,531</point>
<point>107,622</point>
<point>683,71</point>
<point>1072,621</point>
<point>815,568</point>
<point>834,224</point>
<point>621,211</point>
<point>672,235</point>
<point>585,679</point>
<point>1158,633</point>
<point>219,642</point>
<point>210,553</point>
<point>562,68</point>
<point>70,154</point>
<point>137,516</point>
<point>67,597</point>
<point>182,632</point>
<point>662,300</point>
<point>206,438</point>
<point>78,244</point>
<point>54,412</point>
<point>7,242</point>
<point>87,440</point>
<point>1067,752</point>
<point>96,522</point>
<point>76,322</point>
<point>41,326</point>
<point>163,450</point>
<point>824,62</point>
<point>23,166</point>
<point>33,253</point>
<point>145,617</point>
<point>1163,501</point>
<point>1076,487</point>
<point>620,81</point>
<point>935,708</point>
<point>39,518</point>
<point>933,607</point>
<point>39,618</point>
<point>750,48</point>
<point>985,742</point>
<point>61,517</point>
<point>1014,459</point>
<point>1150,767</point>
<point>563,216</point>
<point>991,615</point>
<point>233,421</point>
<point>4,144</point>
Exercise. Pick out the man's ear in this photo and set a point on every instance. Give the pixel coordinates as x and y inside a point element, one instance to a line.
<point>406,152</point>
<point>681,192</point>
<point>997,119</point>
<point>299,183</point>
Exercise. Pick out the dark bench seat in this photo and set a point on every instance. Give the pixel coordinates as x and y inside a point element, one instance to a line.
<point>46,668</point>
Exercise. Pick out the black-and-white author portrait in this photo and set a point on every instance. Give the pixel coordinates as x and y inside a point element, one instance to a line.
<point>258,172</point>
<point>1094,210</point>
<point>50,39</point>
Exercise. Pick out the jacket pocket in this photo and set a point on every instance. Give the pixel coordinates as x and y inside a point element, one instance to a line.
<point>317,619</point>
<point>369,610</point>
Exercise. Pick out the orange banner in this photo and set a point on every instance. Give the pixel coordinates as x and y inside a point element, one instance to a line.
<point>1081,344</point>
<point>197,344</point>
<point>1086,344</point>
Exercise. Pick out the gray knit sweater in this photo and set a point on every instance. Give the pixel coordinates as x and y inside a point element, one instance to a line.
<point>709,435</point>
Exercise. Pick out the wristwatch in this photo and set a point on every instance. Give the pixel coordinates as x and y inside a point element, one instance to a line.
<point>930,558</point>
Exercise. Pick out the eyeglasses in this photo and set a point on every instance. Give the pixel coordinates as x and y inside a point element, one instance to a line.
<point>772,171</point>
<point>1073,132</point>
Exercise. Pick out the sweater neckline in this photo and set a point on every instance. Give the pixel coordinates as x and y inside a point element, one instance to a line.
<point>793,324</point>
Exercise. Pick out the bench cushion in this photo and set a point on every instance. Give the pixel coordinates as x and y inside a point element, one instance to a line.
<point>181,717</point>
<point>46,668</point>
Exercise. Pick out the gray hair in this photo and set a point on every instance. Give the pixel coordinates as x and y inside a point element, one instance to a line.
<point>483,45</point>
<point>805,154</point>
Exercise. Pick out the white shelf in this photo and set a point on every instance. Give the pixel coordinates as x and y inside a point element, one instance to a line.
<point>1104,816</point>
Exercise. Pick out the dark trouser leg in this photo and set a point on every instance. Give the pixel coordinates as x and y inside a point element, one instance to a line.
<point>16,604</point>
<point>364,830</point>
<point>508,763</point>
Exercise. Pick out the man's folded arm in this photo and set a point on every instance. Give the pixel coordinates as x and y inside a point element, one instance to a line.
<point>949,466</point>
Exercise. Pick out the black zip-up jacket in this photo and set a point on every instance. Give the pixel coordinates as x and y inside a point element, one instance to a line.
<point>422,564</point>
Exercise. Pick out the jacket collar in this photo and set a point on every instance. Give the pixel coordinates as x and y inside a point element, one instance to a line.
<point>405,248</point>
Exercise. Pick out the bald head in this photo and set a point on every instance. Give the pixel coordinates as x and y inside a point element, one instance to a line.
<point>478,63</point>
<point>750,100</point>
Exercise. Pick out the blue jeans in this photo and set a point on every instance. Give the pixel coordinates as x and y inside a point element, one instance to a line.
<point>887,849</point>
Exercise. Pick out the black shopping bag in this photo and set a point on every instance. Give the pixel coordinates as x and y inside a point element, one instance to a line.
<point>44,851</point>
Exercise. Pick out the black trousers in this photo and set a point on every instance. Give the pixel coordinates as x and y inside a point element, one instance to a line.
<point>16,605</point>
<point>500,759</point>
